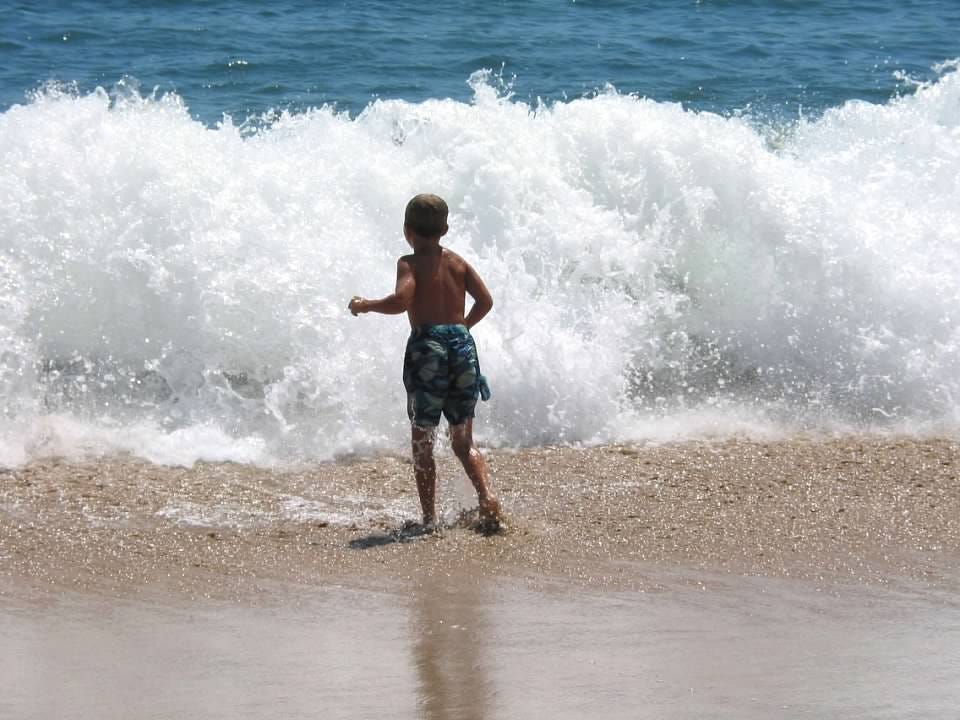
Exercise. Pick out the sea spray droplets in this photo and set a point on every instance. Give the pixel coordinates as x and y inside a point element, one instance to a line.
<point>653,268</point>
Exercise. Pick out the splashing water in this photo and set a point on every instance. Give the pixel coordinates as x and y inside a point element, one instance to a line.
<point>179,291</point>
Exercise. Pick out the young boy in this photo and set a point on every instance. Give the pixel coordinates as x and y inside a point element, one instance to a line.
<point>440,369</point>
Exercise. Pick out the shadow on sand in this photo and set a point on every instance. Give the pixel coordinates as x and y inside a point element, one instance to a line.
<point>408,533</point>
<point>412,531</point>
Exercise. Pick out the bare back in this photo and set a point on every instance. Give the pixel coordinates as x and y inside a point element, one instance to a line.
<point>440,289</point>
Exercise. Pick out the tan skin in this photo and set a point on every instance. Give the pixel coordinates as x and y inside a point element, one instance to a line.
<point>432,284</point>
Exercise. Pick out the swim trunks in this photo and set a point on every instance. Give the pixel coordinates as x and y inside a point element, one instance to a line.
<point>441,374</point>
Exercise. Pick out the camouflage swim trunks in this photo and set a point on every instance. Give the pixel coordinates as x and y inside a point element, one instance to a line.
<point>441,374</point>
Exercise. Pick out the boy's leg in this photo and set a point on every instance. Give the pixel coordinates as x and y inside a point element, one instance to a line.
<point>425,470</point>
<point>461,438</point>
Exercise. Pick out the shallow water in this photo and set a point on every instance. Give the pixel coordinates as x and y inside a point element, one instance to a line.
<point>699,647</point>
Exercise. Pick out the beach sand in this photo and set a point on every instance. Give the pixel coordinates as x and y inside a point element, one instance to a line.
<point>745,579</point>
<point>865,509</point>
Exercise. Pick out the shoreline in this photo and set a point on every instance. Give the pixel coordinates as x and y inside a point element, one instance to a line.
<point>873,510</point>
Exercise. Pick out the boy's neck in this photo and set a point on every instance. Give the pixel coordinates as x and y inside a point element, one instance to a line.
<point>433,248</point>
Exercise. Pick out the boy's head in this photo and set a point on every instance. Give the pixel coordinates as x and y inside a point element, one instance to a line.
<point>426,217</point>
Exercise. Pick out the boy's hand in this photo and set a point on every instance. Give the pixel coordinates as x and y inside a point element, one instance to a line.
<point>356,305</point>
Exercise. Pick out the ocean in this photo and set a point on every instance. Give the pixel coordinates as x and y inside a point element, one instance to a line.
<point>697,219</point>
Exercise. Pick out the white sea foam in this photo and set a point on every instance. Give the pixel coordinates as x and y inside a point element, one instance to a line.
<point>179,291</point>
<point>347,512</point>
<point>189,514</point>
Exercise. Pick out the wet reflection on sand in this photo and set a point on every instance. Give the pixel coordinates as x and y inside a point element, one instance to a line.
<point>451,640</point>
<point>472,647</point>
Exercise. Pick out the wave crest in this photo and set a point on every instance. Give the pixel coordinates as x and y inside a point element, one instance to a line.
<point>652,267</point>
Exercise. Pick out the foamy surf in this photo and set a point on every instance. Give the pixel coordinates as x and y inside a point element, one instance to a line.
<point>178,292</point>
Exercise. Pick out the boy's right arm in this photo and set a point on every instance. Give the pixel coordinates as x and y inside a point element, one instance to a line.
<point>396,302</point>
<point>482,300</point>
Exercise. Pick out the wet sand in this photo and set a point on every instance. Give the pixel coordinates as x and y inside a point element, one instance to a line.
<point>804,578</point>
<point>863,509</point>
<point>458,646</point>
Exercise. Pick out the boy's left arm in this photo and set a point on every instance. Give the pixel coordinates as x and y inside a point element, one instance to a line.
<point>395,303</point>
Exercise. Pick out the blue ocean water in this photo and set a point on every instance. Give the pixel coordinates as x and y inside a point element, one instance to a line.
<point>773,56</point>
<point>696,218</point>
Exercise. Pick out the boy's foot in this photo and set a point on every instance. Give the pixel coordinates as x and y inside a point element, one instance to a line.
<point>412,528</point>
<point>490,509</point>
<point>430,527</point>
<point>490,515</point>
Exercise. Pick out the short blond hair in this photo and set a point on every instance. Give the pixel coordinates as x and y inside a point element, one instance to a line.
<point>426,215</point>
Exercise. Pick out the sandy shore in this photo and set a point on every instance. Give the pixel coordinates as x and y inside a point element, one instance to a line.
<point>795,579</point>
<point>864,509</point>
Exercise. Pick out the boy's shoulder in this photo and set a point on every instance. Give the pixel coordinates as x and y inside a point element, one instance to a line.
<point>453,255</point>
<point>444,254</point>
